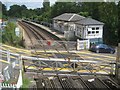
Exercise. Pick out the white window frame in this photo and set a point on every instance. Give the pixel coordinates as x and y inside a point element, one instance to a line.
<point>92,31</point>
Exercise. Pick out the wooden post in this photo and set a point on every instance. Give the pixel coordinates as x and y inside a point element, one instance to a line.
<point>117,70</point>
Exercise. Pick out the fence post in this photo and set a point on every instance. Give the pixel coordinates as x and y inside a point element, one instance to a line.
<point>85,45</point>
<point>117,69</point>
<point>20,80</point>
<point>8,56</point>
<point>112,69</point>
<point>0,63</point>
<point>0,86</point>
<point>56,66</point>
<point>20,62</point>
<point>88,43</point>
<point>78,44</point>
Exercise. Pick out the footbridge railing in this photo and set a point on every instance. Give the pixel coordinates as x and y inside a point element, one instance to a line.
<point>66,65</point>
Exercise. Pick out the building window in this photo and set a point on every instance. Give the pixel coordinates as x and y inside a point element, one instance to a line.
<point>89,32</point>
<point>97,31</point>
<point>93,32</point>
<point>93,28</point>
<point>97,28</point>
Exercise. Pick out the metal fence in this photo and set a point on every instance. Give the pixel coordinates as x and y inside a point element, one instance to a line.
<point>68,66</point>
<point>16,86</point>
<point>65,65</point>
<point>62,45</point>
<point>59,45</point>
<point>57,65</point>
<point>8,86</point>
<point>83,44</point>
<point>11,70</point>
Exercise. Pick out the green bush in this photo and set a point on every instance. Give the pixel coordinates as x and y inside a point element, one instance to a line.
<point>9,37</point>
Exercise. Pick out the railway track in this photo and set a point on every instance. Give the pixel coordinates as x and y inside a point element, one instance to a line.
<point>45,35</point>
<point>38,35</point>
<point>31,37</point>
<point>75,82</point>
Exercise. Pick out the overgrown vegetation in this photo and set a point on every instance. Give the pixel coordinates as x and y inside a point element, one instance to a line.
<point>9,36</point>
<point>26,83</point>
<point>106,12</point>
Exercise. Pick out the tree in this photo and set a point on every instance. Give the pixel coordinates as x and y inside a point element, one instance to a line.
<point>90,9</point>
<point>9,36</point>
<point>0,9</point>
<point>46,5</point>
<point>18,11</point>
<point>118,32</point>
<point>63,7</point>
<point>3,11</point>
<point>9,33</point>
<point>38,11</point>
<point>15,11</point>
<point>23,11</point>
<point>23,7</point>
<point>109,15</point>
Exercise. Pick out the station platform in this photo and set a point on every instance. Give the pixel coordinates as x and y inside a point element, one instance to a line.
<point>55,32</point>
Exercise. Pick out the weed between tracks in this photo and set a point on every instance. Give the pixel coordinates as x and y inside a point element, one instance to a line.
<point>26,83</point>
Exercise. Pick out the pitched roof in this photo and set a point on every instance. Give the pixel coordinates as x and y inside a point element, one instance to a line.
<point>89,21</point>
<point>69,17</point>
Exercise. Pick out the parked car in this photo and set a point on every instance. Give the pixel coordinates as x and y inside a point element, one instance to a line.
<point>102,48</point>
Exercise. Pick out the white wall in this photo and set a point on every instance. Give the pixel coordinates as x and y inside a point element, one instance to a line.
<point>69,35</point>
<point>83,44</point>
<point>86,32</point>
<point>97,33</point>
<point>79,31</point>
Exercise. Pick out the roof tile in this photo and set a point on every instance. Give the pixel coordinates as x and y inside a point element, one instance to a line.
<point>69,17</point>
<point>89,21</point>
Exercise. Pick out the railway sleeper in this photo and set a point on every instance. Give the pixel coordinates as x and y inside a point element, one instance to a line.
<point>56,83</point>
<point>62,83</point>
<point>81,83</point>
<point>96,84</point>
<point>65,83</point>
<point>39,84</point>
<point>77,85</point>
<point>111,84</point>
<point>48,84</point>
